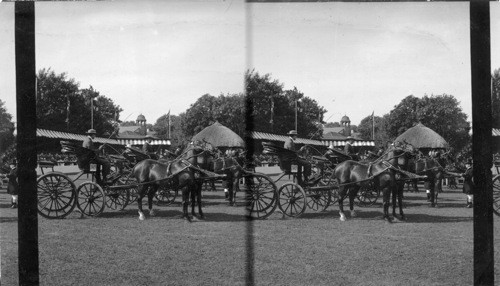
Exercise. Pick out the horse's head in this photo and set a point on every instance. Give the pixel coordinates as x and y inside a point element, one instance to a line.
<point>400,153</point>
<point>198,153</point>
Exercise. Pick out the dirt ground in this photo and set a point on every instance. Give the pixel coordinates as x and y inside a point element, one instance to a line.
<point>433,247</point>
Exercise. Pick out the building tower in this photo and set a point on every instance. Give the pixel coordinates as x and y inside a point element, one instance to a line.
<point>346,123</point>
<point>141,120</point>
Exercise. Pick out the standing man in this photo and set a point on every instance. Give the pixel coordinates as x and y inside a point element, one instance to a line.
<point>148,149</point>
<point>348,149</point>
<point>468,187</point>
<point>89,144</point>
<point>290,145</point>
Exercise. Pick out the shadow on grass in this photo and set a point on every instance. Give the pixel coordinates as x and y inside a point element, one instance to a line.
<point>425,218</point>
<point>8,219</point>
<point>5,206</point>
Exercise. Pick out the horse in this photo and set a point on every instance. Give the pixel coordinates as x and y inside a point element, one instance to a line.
<point>206,158</point>
<point>351,175</point>
<point>178,174</point>
<point>434,168</point>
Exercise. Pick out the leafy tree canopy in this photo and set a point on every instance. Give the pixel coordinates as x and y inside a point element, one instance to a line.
<point>273,108</point>
<point>62,106</point>
<point>495,98</point>
<point>6,128</point>
<point>441,113</point>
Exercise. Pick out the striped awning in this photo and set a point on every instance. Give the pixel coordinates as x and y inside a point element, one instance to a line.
<point>336,143</point>
<point>71,136</point>
<point>80,137</point>
<point>133,142</point>
<point>495,132</point>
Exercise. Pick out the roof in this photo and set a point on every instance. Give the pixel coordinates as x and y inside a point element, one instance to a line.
<point>79,137</point>
<point>281,138</point>
<point>345,118</point>
<point>421,136</point>
<point>333,129</point>
<point>132,128</point>
<point>219,136</point>
<point>71,136</point>
<point>333,136</point>
<point>141,118</point>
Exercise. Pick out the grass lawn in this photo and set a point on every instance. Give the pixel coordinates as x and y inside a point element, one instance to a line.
<point>434,247</point>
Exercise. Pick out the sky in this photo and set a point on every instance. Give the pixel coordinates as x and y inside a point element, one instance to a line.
<point>154,56</point>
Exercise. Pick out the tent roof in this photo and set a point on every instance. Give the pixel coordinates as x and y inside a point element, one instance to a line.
<point>421,136</point>
<point>220,136</point>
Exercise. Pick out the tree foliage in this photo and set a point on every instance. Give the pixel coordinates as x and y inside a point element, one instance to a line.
<point>6,128</point>
<point>228,110</point>
<point>365,129</point>
<point>273,108</point>
<point>441,113</point>
<point>62,106</point>
<point>495,98</point>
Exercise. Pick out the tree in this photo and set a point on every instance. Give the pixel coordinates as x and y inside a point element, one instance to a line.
<point>365,129</point>
<point>273,109</point>
<point>441,113</point>
<point>495,98</point>
<point>228,110</point>
<point>6,128</point>
<point>62,106</point>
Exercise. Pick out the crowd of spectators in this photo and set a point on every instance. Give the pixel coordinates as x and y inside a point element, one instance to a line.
<point>57,158</point>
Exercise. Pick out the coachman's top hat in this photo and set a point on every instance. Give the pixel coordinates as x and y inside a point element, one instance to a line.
<point>292,133</point>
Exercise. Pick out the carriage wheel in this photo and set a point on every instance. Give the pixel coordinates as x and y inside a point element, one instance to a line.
<point>117,198</point>
<point>91,199</point>
<point>56,195</point>
<point>367,195</point>
<point>165,195</point>
<point>261,195</point>
<point>496,195</point>
<point>292,199</point>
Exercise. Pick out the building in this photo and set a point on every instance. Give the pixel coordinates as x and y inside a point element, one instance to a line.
<point>133,135</point>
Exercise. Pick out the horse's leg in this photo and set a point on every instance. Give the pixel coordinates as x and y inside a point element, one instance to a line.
<point>352,195</point>
<point>198,201</point>
<point>185,203</point>
<point>230,186</point>
<point>142,192</point>
<point>193,190</point>
<point>342,194</point>
<point>398,193</point>
<point>386,191</point>
<point>432,186</point>
<point>151,194</point>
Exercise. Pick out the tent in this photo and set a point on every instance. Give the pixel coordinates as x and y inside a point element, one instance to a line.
<point>421,136</point>
<point>219,136</point>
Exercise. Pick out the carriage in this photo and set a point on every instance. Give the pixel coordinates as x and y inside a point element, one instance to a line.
<point>294,196</point>
<point>58,194</point>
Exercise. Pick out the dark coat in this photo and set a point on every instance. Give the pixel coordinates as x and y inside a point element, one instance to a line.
<point>468,187</point>
<point>13,187</point>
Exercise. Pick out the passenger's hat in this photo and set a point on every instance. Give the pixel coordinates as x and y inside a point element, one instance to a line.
<point>91,131</point>
<point>149,137</point>
<point>292,132</point>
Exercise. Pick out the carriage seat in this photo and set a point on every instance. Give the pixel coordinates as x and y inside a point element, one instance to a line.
<point>84,156</point>
<point>285,156</point>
